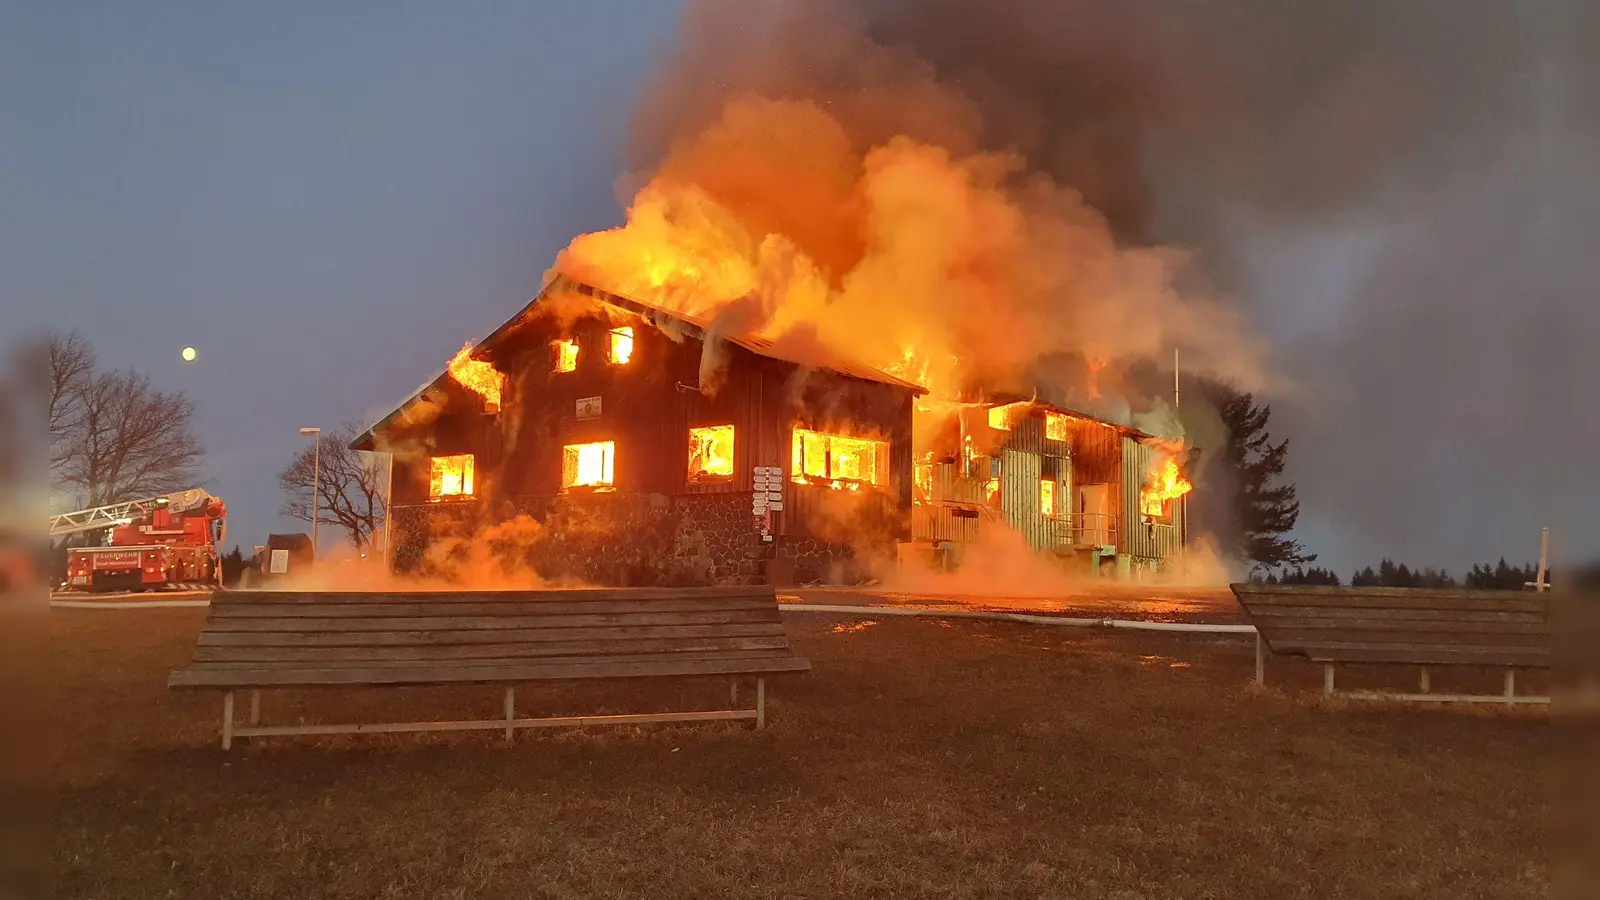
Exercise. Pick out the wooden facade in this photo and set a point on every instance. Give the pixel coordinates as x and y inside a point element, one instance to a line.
<point>646,407</point>
<point>1095,470</point>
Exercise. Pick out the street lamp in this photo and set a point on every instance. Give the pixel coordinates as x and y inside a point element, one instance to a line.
<point>316,478</point>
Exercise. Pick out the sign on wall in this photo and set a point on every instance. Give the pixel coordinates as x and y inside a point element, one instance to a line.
<point>588,408</point>
<point>767,496</point>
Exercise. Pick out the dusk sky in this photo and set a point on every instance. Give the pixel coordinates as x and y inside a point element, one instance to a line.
<point>326,200</point>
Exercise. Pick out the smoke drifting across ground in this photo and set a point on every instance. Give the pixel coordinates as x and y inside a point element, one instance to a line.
<point>1395,192</point>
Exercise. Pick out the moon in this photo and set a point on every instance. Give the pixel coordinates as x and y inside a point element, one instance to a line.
<point>189,354</point>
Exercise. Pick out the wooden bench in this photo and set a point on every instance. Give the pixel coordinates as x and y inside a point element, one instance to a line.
<point>257,640</point>
<point>1410,626</point>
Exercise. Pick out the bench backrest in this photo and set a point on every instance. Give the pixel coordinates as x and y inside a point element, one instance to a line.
<point>281,638</point>
<point>1401,625</point>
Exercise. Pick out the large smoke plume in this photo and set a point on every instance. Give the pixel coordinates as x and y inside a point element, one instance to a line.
<point>1393,191</point>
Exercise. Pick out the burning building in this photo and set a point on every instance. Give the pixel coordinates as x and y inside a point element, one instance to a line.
<point>1070,484</point>
<point>655,446</point>
<point>652,449</point>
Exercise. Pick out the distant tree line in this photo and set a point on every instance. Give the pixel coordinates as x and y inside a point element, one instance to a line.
<point>1501,576</point>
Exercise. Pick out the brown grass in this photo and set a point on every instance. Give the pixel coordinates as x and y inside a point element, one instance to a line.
<point>921,758</point>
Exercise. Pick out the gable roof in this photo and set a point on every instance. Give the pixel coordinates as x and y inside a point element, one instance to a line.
<point>696,327</point>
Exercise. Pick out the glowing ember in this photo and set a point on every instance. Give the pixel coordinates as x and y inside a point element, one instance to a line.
<point>450,476</point>
<point>1166,485</point>
<point>710,453</point>
<point>478,376</point>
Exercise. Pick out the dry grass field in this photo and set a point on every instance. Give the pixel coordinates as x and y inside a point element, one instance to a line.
<point>921,758</point>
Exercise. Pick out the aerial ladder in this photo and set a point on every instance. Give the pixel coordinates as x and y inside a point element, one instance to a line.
<point>150,543</point>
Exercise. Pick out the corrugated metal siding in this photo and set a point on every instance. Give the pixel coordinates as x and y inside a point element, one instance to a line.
<point>1157,541</point>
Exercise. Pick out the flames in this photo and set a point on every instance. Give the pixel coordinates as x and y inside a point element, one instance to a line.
<point>478,376</point>
<point>1166,485</point>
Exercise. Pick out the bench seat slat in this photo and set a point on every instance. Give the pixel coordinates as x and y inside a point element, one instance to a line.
<point>503,607</point>
<point>469,623</point>
<point>314,598</point>
<point>512,659</point>
<point>278,676</point>
<point>1334,614</point>
<point>303,654</point>
<point>1285,636</point>
<point>1430,656</point>
<point>293,638</point>
<point>1520,603</point>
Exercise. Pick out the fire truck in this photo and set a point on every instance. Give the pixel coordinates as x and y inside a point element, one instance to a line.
<point>158,543</point>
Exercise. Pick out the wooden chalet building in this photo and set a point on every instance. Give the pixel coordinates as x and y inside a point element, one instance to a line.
<point>1069,483</point>
<point>780,468</point>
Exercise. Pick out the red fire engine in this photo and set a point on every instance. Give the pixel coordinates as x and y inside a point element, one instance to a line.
<point>157,543</point>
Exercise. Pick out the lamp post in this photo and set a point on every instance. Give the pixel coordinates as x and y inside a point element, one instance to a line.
<point>316,479</point>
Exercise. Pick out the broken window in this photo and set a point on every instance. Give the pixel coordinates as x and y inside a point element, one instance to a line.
<point>589,465</point>
<point>844,461</point>
<point>991,492</point>
<point>1047,498</point>
<point>710,454</point>
<point>1055,426</point>
<point>450,476</point>
<point>621,347</point>
<point>566,355</point>
<point>1003,417</point>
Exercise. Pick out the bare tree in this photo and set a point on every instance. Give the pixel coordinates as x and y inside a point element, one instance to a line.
<point>112,436</point>
<point>349,491</point>
<point>70,365</point>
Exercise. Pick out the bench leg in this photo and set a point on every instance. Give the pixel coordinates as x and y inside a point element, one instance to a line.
<point>1327,679</point>
<point>1426,686</point>
<point>761,703</point>
<point>1261,661</point>
<point>1511,687</point>
<point>733,692</point>
<point>511,714</point>
<point>227,720</point>
<point>255,708</point>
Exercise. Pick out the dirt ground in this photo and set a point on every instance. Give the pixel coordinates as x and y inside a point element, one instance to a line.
<point>921,758</point>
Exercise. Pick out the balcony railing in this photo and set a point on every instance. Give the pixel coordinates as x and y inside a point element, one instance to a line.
<point>1086,529</point>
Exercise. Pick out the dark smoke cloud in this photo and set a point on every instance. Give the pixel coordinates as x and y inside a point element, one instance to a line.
<point>1404,195</point>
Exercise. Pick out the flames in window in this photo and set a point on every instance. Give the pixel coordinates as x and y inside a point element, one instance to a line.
<point>1166,485</point>
<point>450,476</point>
<point>840,462</point>
<point>1047,498</point>
<point>710,453</point>
<point>621,346</point>
<point>478,376</point>
<point>1002,417</point>
<point>589,465</point>
<point>566,355</point>
<point>991,492</point>
<point>1055,426</point>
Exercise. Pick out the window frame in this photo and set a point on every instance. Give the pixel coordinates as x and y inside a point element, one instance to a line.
<point>559,364</point>
<point>608,467</point>
<point>880,459</point>
<point>705,477</point>
<point>467,472</point>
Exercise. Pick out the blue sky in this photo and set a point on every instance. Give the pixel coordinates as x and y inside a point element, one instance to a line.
<point>324,199</point>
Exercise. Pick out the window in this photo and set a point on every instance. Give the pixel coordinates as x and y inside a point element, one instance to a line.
<point>1002,417</point>
<point>710,454</point>
<point>839,459</point>
<point>991,492</point>
<point>1047,498</point>
<point>450,476</point>
<point>566,355</point>
<point>621,346</point>
<point>589,465</point>
<point>1055,426</point>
